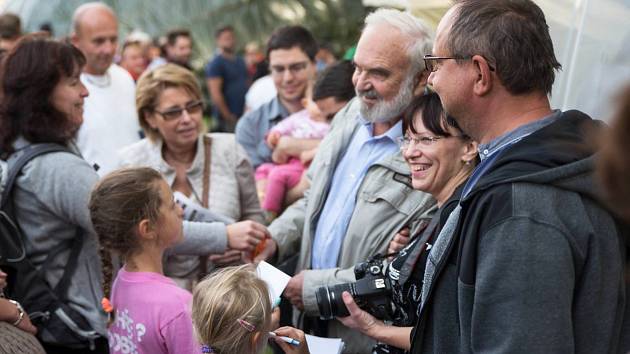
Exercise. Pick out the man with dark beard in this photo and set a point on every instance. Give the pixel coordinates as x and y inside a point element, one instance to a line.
<point>227,77</point>
<point>360,189</point>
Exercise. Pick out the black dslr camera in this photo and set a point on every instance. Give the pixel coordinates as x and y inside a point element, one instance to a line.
<point>372,292</point>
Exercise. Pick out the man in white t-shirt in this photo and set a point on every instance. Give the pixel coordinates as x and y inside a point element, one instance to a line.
<point>110,118</point>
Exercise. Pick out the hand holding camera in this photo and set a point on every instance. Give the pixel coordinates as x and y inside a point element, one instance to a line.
<point>359,319</point>
<point>372,292</point>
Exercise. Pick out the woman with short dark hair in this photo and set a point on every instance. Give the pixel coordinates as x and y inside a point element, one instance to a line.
<point>441,158</point>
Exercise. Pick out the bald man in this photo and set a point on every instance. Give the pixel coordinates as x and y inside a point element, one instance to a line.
<point>110,121</point>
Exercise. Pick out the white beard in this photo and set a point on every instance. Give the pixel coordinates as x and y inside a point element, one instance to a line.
<point>384,111</point>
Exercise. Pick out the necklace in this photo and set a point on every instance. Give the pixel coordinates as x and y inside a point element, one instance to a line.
<point>101,81</point>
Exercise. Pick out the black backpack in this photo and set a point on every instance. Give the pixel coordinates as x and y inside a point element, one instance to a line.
<point>57,323</point>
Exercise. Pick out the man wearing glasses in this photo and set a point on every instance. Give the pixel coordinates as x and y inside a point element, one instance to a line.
<point>530,261</point>
<point>291,53</point>
<point>360,187</point>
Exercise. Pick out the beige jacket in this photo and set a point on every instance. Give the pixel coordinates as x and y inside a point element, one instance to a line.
<point>385,203</point>
<point>232,186</point>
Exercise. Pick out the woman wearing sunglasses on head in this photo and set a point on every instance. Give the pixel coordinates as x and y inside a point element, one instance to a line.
<point>211,170</point>
<point>441,158</point>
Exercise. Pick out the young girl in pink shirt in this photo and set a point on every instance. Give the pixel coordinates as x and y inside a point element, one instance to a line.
<point>136,218</point>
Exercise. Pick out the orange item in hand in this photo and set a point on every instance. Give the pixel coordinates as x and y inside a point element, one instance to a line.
<point>260,247</point>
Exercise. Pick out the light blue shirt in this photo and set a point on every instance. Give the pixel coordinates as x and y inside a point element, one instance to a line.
<point>363,151</point>
<point>488,152</point>
<point>253,127</point>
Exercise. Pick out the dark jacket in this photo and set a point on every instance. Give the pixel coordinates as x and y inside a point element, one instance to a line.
<point>536,264</point>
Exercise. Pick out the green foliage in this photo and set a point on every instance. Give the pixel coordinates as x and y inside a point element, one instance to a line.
<point>337,22</point>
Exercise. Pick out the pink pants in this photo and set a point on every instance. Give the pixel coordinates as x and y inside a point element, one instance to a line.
<point>280,178</point>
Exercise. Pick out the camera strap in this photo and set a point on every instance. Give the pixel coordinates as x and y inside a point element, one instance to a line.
<point>421,243</point>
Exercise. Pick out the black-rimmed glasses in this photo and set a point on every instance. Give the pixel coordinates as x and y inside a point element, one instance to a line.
<point>176,113</point>
<point>427,141</point>
<point>431,62</point>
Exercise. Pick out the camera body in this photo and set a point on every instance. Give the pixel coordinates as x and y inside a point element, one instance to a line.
<point>372,292</point>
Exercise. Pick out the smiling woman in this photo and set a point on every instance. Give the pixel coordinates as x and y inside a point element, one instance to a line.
<point>441,158</point>
<point>212,170</point>
<point>43,99</point>
<point>42,102</point>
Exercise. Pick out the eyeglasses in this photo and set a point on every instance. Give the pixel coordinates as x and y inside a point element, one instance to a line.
<point>426,141</point>
<point>176,113</point>
<point>405,141</point>
<point>431,62</point>
<point>296,68</point>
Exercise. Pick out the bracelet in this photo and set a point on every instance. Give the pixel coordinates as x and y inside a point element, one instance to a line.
<point>20,312</point>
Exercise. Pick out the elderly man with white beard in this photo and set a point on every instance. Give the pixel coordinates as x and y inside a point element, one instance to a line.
<point>360,191</point>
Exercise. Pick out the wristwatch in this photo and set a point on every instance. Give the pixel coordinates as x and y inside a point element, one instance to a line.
<point>20,312</point>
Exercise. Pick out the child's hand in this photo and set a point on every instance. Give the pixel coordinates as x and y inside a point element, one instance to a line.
<point>245,235</point>
<point>272,139</point>
<point>295,334</point>
<point>307,156</point>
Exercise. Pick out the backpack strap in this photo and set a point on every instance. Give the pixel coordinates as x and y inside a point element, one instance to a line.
<point>21,157</point>
<point>61,289</point>
<point>15,163</point>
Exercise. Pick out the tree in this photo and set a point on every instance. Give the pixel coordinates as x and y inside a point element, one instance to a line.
<point>337,22</point>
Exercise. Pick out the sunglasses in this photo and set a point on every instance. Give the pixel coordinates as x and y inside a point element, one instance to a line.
<point>176,113</point>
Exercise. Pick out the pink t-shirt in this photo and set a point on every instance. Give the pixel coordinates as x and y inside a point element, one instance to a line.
<point>153,315</point>
<point>300,125</point>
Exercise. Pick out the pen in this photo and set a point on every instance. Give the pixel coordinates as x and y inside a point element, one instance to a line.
<point>286,339</point>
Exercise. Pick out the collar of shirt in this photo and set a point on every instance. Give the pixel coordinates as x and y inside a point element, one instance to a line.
<point>276,109</point>
<point>394,132</point>
<point>509,138</point>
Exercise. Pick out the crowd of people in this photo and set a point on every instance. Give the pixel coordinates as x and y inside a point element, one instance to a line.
<point>490,222</point>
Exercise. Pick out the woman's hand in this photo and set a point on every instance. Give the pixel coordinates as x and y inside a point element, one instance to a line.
<point>359,319</point>
<point>400,240</point>
<point>367,324</point>
<point>26,325</point>
<point>291,333</point>
<point>9,313</point>
<point>245,235</point>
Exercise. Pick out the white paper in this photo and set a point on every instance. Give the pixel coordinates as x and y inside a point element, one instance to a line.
<point>276,279</point>
<point>319,345</point>
<point>195,212</point>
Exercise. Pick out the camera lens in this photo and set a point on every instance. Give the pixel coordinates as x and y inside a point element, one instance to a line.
<point>330,302</point>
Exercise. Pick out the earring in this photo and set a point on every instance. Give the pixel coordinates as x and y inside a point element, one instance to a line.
<point>467,163</point>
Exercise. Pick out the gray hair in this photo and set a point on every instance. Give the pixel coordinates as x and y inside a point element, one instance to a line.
<point>420,36</point>
<point>512,36</point>
<point>81,10</point>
